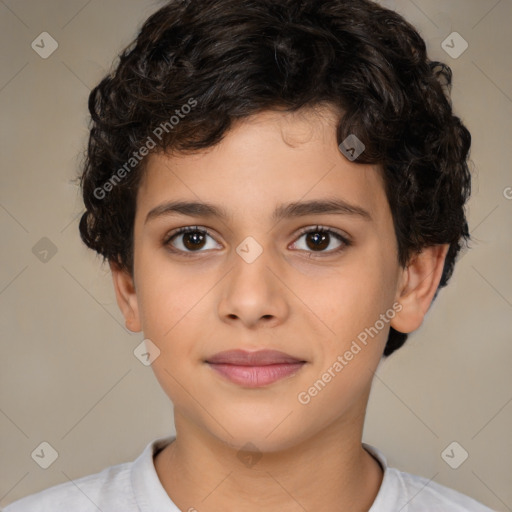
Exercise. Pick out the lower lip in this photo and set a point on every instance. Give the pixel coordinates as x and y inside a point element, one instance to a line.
<point>256,376</point>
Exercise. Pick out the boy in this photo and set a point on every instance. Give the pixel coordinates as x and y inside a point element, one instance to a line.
<point>279,190</point>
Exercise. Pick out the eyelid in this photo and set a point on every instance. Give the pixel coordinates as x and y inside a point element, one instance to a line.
<point>318,227</point>
<point>187,229</point>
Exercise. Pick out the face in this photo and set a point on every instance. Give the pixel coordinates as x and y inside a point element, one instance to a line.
<point>306,282</point>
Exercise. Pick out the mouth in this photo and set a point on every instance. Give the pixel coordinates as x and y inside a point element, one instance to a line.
<point>254,369</point>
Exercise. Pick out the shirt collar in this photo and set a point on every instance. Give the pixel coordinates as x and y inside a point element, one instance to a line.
<point>150,494</point>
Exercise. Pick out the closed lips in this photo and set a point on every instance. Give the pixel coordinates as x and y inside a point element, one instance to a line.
<point>254,369</point>
<point>258,358</point>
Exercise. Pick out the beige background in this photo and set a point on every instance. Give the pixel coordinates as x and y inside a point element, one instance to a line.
<point>68,375</point>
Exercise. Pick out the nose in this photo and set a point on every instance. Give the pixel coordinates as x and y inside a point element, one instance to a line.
<point>254,293</point>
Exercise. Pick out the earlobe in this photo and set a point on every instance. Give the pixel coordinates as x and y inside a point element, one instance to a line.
<point>126,297</point>
<point>419,282</point>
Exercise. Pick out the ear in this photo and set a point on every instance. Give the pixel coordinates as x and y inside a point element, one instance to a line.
<point>126,297</point>
<point>418,285</point>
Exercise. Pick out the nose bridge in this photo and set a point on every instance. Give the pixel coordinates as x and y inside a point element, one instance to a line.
<point>252,260</point>
<point>252,289</point>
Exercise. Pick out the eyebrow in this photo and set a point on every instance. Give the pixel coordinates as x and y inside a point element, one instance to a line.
<point>283,211</point>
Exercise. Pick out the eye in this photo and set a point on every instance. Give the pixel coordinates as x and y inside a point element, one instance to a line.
<point>192,239</point>
<point>319,238</point>
<point>188,239</point>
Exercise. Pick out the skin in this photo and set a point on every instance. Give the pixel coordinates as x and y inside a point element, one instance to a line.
<point>304,302</point>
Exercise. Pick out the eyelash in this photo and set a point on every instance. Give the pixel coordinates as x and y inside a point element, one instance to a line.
<point>318,229</point>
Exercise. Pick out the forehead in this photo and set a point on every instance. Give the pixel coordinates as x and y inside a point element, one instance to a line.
<point>268,159</point>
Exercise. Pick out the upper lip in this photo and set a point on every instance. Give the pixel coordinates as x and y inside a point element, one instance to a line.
<point>258,358</point>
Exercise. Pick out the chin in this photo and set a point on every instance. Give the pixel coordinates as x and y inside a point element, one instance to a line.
<point>259,436</point>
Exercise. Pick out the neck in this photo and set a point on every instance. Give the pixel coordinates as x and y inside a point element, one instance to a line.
<point>330,471</point>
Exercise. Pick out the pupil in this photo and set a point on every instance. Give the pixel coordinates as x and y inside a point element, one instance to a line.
<point>196,238</point>
<point>320,240</point>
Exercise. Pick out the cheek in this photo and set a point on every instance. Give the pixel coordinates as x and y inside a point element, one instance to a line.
<point>175,303</point>
<point>167,295</point>
<point>173,318</point>
<point>351,300</point>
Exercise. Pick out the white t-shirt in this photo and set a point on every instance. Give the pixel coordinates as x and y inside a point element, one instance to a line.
<point>135,487</point>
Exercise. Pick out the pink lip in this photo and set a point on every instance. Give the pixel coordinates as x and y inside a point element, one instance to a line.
<point>254,369</point>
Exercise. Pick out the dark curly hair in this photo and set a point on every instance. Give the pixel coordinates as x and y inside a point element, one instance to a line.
<point>230,59</point>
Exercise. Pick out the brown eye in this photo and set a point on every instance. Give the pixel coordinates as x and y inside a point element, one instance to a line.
<point>318,239</point>
<point>193,240</point>
<point>189,239</point>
